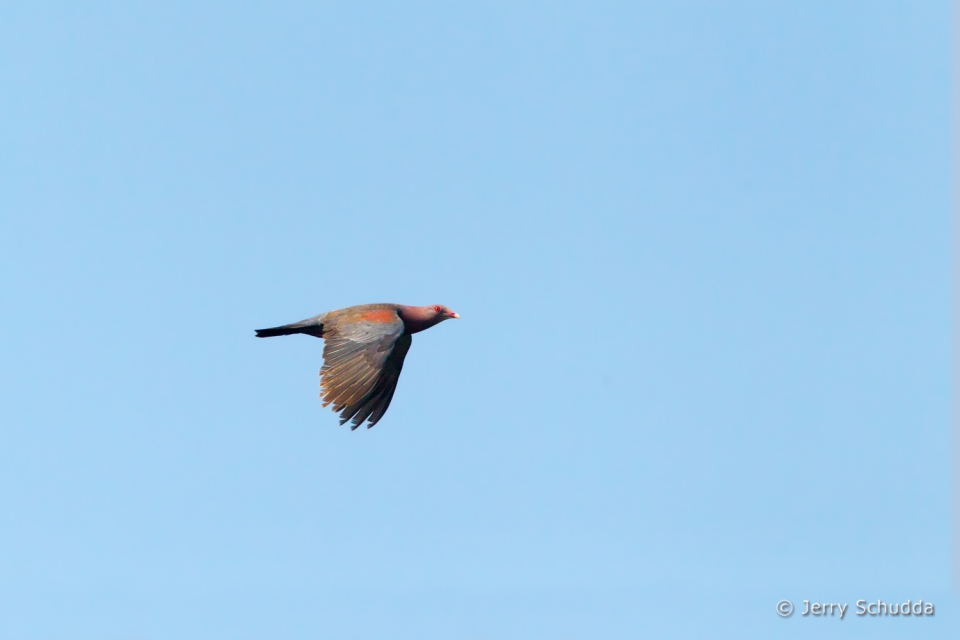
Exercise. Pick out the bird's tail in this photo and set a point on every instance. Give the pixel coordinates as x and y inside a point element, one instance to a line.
<point>310,326</point>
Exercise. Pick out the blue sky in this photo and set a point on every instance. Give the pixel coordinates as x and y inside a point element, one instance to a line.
<point>701,253</point>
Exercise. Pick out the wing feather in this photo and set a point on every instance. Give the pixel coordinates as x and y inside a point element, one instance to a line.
<point>375,404</point>
<point>362,360</point>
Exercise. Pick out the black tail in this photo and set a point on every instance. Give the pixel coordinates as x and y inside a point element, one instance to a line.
<point>312,327</point>
<point>277,331</point>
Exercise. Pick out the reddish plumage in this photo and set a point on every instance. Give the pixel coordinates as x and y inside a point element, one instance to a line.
<point>363,353</point>
<point>379,316</point>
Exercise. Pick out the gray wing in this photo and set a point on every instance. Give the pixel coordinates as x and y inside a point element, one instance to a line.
<point>361,366</point>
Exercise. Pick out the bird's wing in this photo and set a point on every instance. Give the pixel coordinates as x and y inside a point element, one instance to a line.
<point>375,404</point>
<point>362,360</point>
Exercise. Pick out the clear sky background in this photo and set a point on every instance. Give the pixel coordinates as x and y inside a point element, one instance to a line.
<point>702,255</point>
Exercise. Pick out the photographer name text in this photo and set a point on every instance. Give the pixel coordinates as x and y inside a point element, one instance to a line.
<point>864,608</point>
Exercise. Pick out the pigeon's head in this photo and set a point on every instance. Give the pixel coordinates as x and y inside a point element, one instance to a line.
<point>442,313</point>
<point>420,318</point>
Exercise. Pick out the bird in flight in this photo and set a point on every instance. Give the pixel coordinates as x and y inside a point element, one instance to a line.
<point>363,352</point>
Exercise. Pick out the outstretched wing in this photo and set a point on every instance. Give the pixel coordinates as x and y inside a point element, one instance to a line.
<point>375,404</point>
<point>362,360</point>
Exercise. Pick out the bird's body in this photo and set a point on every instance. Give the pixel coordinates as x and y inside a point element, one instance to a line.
<point>363,353</point>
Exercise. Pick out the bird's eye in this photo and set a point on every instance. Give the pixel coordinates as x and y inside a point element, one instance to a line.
<point>438,308</point>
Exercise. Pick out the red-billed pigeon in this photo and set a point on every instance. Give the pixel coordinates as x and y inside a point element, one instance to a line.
<point>363,353</point>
